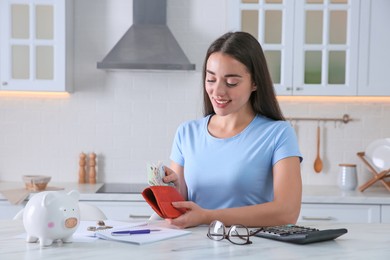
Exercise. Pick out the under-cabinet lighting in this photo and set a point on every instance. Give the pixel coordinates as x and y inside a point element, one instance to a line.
<point>338,99</point>
<point>31,94</point>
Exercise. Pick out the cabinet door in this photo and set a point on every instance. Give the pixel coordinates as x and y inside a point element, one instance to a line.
<point>33,45</point>
<point>311,46</point>
<point>272,23</point>
<point>122,210</point>
<point>343,213</point>
<point>8,210</point>
<point>326,47</point>
<point>374,54</point>
<point>385,216</point>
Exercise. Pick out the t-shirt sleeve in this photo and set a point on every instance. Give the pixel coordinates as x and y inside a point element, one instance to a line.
<point>176,151</point>
<point>286,144</point>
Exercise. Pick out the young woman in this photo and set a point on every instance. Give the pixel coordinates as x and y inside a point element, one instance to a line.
<point>240,164</point>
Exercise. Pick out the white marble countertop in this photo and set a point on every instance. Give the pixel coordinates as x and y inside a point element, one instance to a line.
<point>311,194</point>
<point>369,241</point>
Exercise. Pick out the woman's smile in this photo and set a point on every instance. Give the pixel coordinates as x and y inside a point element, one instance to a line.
<point>221,102</point>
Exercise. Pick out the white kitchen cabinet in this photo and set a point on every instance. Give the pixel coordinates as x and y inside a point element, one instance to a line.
<point>8,210</point>
<point>36,45</point>
<point>374,54</point>
<point>340,213</point>
<point>385,214</point>
<point>311,46</point>
<point>124,210</point>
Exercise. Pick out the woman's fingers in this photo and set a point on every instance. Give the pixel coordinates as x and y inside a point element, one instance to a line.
<point>182,204</point>
<point>170,175</point>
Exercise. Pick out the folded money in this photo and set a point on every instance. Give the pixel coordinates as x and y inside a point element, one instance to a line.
<point>156,173</point>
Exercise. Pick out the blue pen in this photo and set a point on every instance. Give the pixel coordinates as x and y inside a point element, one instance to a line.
<point>133,232</point>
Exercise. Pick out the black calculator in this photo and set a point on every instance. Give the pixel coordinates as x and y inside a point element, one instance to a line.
<point>300,234</point>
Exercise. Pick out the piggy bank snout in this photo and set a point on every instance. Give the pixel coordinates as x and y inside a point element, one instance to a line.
<point>71,222</point>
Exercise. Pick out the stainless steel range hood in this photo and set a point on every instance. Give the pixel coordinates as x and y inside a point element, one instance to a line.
<point>148,44</point>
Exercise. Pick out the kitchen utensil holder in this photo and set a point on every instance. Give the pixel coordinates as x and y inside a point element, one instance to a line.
<point>377,176</point>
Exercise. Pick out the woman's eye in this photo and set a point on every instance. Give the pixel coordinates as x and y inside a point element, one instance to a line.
<point>230,85</point>
<point>210,80</point>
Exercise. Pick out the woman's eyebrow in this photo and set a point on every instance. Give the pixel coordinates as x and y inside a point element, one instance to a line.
<point>209,71</point>
<point>233,75</point>
<point>227,75</point>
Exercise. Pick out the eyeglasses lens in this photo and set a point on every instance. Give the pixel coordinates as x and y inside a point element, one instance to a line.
<point>216,230</point>
<point>238,234</point>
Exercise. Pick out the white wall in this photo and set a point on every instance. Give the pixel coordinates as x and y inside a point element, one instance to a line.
<point>129,118</point>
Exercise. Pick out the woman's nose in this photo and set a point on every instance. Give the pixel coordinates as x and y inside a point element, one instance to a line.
<point>219,88</point>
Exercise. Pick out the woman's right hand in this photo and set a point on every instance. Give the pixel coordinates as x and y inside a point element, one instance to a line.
<point>175,174</point>
<point>171,176</point>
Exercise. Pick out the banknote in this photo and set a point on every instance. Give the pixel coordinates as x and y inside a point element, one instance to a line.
<point>156,174</point>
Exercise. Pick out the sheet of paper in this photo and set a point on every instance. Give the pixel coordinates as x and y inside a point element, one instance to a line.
<point>82,229</point>
<point>140,239</point>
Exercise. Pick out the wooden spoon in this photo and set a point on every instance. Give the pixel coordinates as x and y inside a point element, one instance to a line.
<point>318,162</point>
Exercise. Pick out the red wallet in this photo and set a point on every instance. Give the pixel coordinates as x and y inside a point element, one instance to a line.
<point>160,198</point>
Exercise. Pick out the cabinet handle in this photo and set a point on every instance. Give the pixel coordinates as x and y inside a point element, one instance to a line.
<point>288,88</point>
<point>4,83</point>
<point>299,89</point>
<point>317,218</point>
<point>138,216</point>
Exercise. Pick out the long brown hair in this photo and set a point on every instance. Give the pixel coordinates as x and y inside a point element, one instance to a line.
<point>246,49</point>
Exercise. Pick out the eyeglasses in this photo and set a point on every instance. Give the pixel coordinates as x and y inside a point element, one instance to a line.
<point>237,234</point>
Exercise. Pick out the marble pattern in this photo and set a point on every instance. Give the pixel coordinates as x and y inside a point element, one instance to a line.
<point>369,241</point>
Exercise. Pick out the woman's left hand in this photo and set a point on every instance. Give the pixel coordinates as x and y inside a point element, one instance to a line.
<point>194,216</point>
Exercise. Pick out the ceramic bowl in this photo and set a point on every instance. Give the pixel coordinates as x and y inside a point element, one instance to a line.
<point>36,182</point>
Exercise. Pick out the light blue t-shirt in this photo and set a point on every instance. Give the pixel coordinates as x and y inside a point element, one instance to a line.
<point>235,171</point>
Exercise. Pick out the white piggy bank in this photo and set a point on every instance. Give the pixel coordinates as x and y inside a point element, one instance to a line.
<point>50,216</point>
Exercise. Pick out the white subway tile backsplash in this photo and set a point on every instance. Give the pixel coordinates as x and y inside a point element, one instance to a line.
<point>129,118</point>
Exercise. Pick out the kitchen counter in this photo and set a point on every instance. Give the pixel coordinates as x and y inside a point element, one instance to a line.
<point>333,195</point>
<point>311,194</point>
<point>370,241</point>
<point>318,202</point>
<point>87,191</point>
<point>82,188</point>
